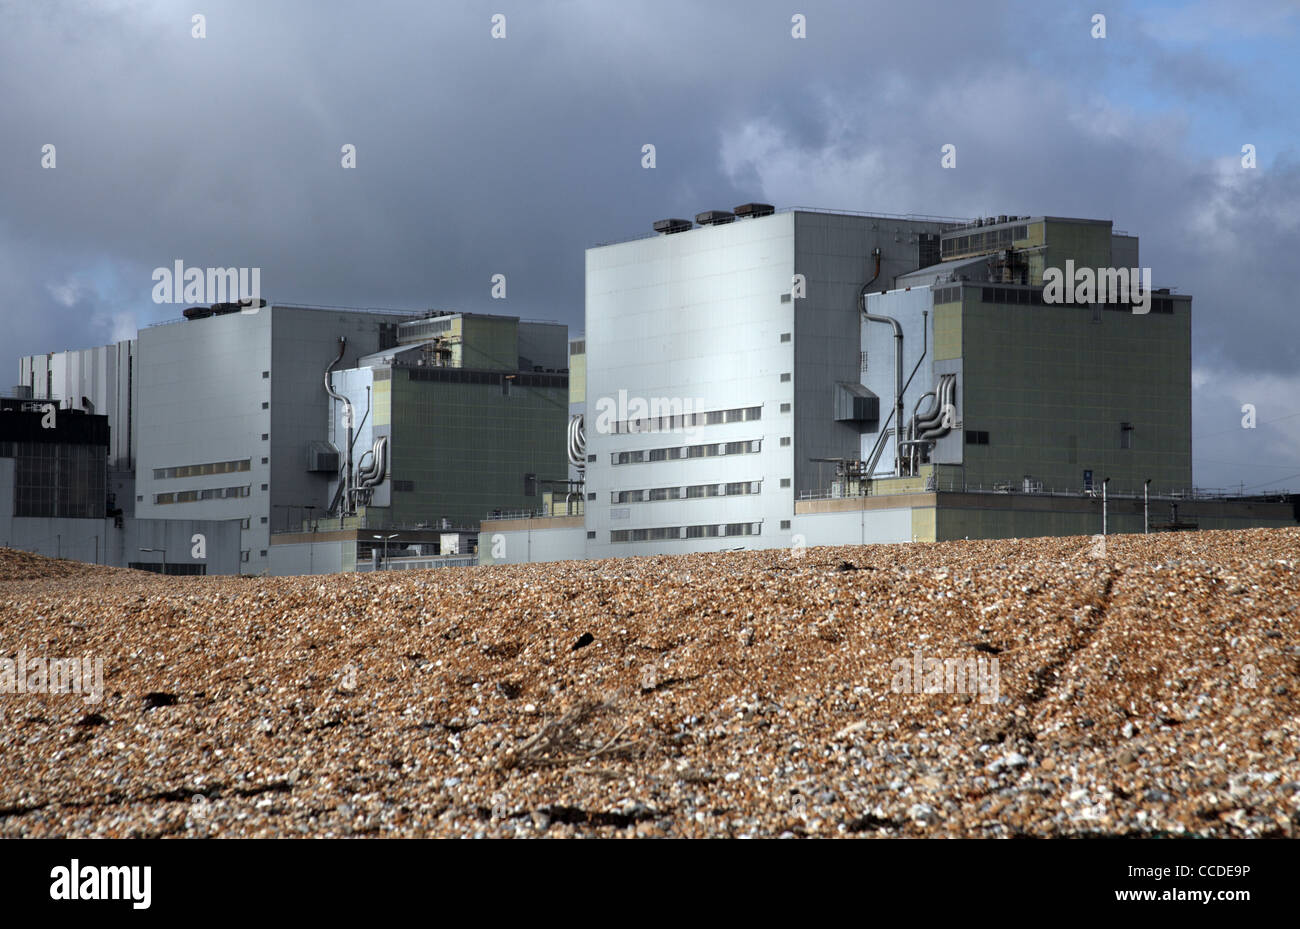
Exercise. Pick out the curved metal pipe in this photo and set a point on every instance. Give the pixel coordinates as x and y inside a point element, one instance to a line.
<point>898,379</point>
<point>345,478</point>
<point>577,444</point>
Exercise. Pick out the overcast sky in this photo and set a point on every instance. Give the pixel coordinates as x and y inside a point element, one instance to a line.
<point>477,156</point>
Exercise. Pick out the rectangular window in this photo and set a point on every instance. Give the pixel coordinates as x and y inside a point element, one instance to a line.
<point>785,482</point>
<point>785,377</point>
<point>785,440</point>
<point>785,408</point>
<point>200,470</point>
<point>785,524</point>
<point>785,337</point>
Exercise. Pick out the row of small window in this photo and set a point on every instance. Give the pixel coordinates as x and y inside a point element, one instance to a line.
<point>726,530</point>
<point>199,470</point>
<point>1033,296</point>
<point>977,437</point>
<point>687,493</point>
<point>749,447</point>
<point>686,420</point>
<point>994,238</point>
<point>212,493</point>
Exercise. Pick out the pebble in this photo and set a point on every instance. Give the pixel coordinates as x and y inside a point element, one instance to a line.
<point>1121,705</point>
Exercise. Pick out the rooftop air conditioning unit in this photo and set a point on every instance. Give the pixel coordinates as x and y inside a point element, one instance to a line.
<point>754,210</point>
<point>714,217</point>
<point>670,226</point>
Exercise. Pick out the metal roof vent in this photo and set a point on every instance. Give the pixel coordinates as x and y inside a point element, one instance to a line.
<point>715,217</point>
<point>754,210</point>
<point>669,226</point>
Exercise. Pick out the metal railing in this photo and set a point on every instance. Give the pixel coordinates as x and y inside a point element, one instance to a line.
<point>555,512</point>
<point>904,217</point>
<point>1015,488</point>
<point>420,563</point>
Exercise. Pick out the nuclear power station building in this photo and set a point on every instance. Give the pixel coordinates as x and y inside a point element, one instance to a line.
<point>764,379</point>
<point>751,379</point>
<point>294,439</point>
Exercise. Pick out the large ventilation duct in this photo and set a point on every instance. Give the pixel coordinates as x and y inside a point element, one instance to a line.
<point>577,442</point>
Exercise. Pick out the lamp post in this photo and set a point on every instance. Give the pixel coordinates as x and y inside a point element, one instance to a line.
<point>311,546</point>
<point>1146,511</point>
<point>1104,482</point>
<point>163,551</point>
<point>385,539</point>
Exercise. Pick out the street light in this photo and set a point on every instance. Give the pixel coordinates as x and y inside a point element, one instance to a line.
<point>1146,512</point>
<point>163,552</point>
<point>1104,482</point>
<point>385,539</point>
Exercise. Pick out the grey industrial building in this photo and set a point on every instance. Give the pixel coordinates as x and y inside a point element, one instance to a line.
<point>753,379</point>
<point>56,499</point>
<point>809,378</point>
<point>235,415</point>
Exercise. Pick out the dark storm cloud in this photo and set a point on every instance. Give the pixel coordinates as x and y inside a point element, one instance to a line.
<point>479,156</point>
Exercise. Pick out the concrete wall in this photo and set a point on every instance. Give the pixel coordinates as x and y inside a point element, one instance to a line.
<point>695,317</point>
<point>850,527</point>
<point>199,399</point>
<point>99,541</point>
<point>209,389</point>
<point>833,252</point>
<point>312,558</point>
<point>561,538</point>
<point>1004,516</point>
<point>305,341</point>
